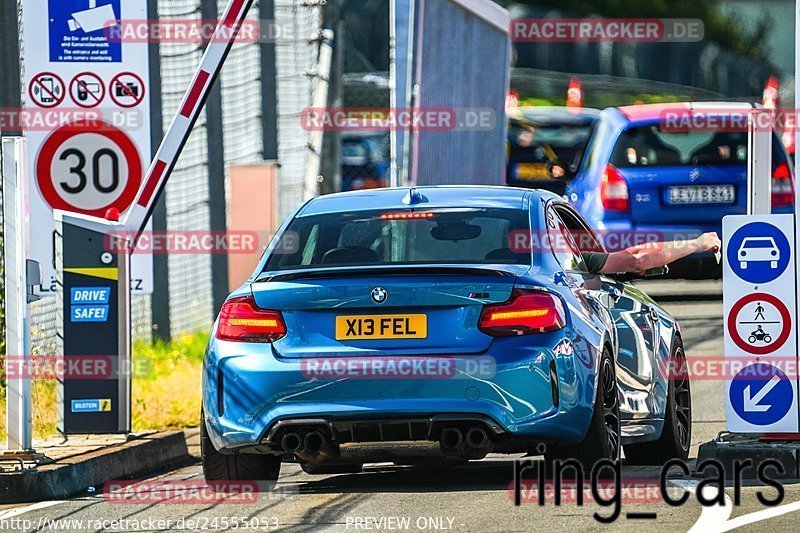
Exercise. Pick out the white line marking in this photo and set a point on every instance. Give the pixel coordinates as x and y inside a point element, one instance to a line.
<point>712,518</point>
<point>717,519</point>
<point>11,513</point>
<point>765,514</point>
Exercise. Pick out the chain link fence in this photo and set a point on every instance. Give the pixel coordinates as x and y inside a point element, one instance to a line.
<point>190,295</point>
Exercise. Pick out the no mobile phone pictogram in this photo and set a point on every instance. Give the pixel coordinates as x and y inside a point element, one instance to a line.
<point>47,90</point>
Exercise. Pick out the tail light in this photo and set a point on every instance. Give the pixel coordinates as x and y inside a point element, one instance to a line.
<point>614,190</point>
<point>782,186</point>
<point>241,320</point>
<point>523,313</point>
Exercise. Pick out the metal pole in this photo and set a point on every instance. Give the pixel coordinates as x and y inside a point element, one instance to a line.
<point>216,176</point>
<point>320,101</point>
<point>10,88</point>
<point>269,86</point>
<point>159,311</point>
<point>759,162</point>
<point>16,234</point>
<point>400,49</point>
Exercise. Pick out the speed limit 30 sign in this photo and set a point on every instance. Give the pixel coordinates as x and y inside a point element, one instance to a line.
<point>88,167</point>
<point>85,167</point>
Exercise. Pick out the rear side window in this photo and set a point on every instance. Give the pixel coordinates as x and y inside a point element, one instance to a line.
<point>650,146</point>
<point>392,237</point>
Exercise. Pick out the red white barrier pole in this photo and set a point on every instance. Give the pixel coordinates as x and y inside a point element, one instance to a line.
<point>172,144</point>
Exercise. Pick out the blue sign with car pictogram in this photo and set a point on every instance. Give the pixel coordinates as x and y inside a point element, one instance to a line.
<point>758,252</point>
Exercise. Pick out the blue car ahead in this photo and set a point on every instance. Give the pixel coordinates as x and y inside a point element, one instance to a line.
<point>437,323</point>
<point>672,171</point>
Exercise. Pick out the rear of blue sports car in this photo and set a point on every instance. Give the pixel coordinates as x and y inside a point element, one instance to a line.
<point>381,319</point>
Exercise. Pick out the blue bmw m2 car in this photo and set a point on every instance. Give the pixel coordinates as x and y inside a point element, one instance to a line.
<point>437,324</point>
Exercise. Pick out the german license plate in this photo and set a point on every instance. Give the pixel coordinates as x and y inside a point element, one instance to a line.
<point>364,327</point>
<point>532,171</point>
<point>702,194</point>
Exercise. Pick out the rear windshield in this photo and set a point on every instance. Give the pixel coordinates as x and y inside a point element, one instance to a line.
<point>393,237</point>
<point>649,146</point>
<point>528,142</point>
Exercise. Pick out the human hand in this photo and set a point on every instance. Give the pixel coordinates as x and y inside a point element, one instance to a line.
<point>708,242</point>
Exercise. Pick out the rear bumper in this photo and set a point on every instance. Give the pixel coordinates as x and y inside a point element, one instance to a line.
<point>248,392</point>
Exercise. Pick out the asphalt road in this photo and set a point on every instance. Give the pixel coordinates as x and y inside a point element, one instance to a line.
<point>475,497</point>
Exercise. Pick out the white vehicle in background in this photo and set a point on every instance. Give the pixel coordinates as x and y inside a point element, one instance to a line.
<point>757,249</point>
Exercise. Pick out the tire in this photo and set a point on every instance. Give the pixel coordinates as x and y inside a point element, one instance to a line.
<point>602,440</point>
<point>219,468</point>
<point>328,470</point>
<point>751,339</point>
<point>773,264</point>
<point>743,265</point>
<point>676,437</point>
<point>767,339</point>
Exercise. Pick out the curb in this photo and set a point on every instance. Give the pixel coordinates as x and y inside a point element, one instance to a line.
<point>72,475</point>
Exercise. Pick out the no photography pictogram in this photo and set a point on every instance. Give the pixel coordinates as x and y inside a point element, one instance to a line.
<point>47,90</point>
<point>127,89</point>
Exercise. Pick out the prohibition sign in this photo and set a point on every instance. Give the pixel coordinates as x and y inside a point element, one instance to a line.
<point>786,321</point>
<point>87,89</point>
<point>47,90</point>
<point>85,151</point>
<point>126,85</point>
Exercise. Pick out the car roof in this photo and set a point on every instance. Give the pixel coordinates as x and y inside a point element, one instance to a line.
<point>439,196</point>
<point>649,113</point>
<point>556,115</point>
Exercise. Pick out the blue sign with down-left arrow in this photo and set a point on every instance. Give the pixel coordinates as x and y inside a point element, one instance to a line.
<point>761,394</point>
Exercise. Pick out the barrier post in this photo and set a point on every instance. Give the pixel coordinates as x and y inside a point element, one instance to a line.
<point>759,162</point>
<point>15,235</point>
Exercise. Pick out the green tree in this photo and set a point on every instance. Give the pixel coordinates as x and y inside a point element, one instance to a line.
<point>719,27</point>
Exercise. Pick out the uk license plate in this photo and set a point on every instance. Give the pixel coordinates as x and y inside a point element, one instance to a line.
<point>702,194</point>
<point>365,327</point>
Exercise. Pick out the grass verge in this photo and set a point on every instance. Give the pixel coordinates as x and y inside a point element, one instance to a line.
<point>165,388</point>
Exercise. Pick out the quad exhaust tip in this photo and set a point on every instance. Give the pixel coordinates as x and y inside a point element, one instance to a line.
<point>314,442</point>
<point>292,442</point>
<point>451,438</point>
<point>477,439</point>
